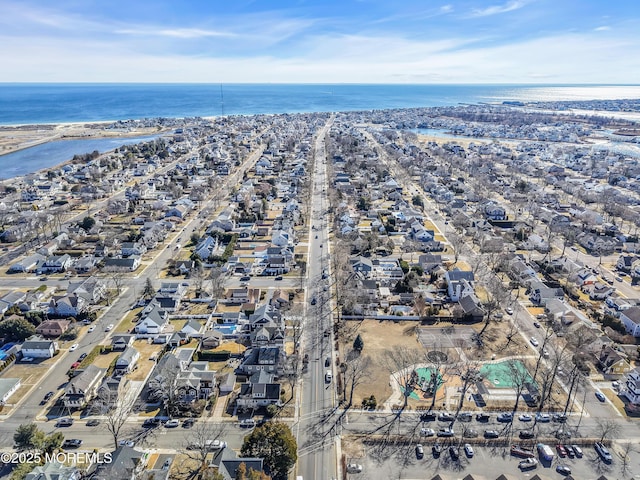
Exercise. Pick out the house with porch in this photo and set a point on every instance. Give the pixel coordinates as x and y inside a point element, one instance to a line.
<point>83,388</point>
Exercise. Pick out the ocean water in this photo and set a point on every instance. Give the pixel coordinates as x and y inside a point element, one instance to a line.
<point>59,103</point>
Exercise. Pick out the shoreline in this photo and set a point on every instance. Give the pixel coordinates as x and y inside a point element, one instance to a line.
<point>15,138</point>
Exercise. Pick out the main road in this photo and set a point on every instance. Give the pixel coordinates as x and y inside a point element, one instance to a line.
<point>317,452</point>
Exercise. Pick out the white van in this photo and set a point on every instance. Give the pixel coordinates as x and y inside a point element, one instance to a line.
<point>328,376</point>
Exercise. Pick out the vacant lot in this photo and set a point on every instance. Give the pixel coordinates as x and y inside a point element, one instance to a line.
<point>147,351</point>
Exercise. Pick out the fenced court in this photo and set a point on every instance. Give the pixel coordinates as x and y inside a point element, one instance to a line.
<point>446,337</point>
<point>499,374</point>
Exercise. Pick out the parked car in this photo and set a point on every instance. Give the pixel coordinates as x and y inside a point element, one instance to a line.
<point>188,423</point>
<point>561,450</point>
<point>563,470</point>
<point>491,434</point>
<point>91,328</point>
<point>314,301</point>
<point>525,417</point>
<point>505,417</point>
<point>454,452</point>
<point>570,452</point>
<point>279,277</point>
<point>354,468</point>
<point>218,445</point>
<point>483,417</point>
<point>445,432</point>
<point>600,396</point>
<point>528,463</point>
<point>560,418</point>
<point>446,417</point>
<point>82,357</point>
<point>92,423</point>
<point>109,327</point>
<point>419,451</point>
<point>562,433</point>
<point>465,417</point>
<point>469,433</point>
<point>73,347</point>
<point>172,423</point>
<point>536,324</point>
<point>543,418</point>
<point>509,310</point>
<point>427,432</point>
<point>48,396</point>
<point>151,422</point>
<point>247,422</point>
<point>534,341</point>
<point>166,464</point>
<point>427,417</point>
<point>436,449</point>
<point>72,443</point>
<point>578,451</point>
<point>468,450</point>
<point>526,434</point>
<point>328,376</point>
<point>604,453</point>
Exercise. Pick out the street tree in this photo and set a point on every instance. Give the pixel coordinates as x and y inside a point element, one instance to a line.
<point>28,437</point>
<point>356,372</point>
<point>197,443</point>
<point>115,408</point>
<point>216,281</point>
<point>148,292</point>
<point>607,428</point>
<point>358,344</point>
<point>274,442</point>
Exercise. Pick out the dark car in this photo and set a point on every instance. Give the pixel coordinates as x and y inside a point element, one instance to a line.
<point>483,417</point>
<point>188,423</point>
<point>436,449</point>
<point>151,422</point>
<point>600,396</point>
<point>526,434</point>
<point>48,396</point>
<point>465,417</point>
<point>428,417</point>
<point>454,452</point>
<point>82,357</point>
<point>246,278</point>
<point>561,450</point>
<point>279,277</point>
<point>491,434</point>
<point>327,362</point>
<point>560,418</point>
<point>563,470</point>
<point>570,452</point>
<point>314,301</point>
<point>93,423</point>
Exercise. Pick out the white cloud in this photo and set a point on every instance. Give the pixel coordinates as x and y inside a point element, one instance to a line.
<point>498,9</point>
<point>446,8</point>
<point>603,28</point>
<point>175,32</point>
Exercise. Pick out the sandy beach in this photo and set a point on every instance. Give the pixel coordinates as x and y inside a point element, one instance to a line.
<point>18,137</point>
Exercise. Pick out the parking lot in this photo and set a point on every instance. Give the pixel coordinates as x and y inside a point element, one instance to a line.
<point>400,462</point>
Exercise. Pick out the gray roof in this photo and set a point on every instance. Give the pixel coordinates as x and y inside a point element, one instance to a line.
<point>39,344</point>
<point>7,384</point>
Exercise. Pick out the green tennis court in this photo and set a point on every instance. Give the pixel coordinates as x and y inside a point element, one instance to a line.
<point>500,375</point>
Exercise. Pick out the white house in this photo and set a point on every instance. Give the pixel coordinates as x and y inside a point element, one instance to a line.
<point>39,348</point>
<point>630,318</point>
<point>8,387</point>
<point>631,388</point>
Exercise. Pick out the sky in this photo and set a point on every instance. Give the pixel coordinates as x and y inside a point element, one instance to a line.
<point>321,41</point>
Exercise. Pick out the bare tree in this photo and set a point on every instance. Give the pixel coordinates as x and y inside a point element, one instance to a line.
<point>469,374</point>
<point>216,281</point>
<point>401,363</point>
<point>626,451</point>
<point>198,443</point>
<point>607,428</point>
<point>197,277</point>
<point>163,386</point>
<point>115,406</point>
<point>356,372</point>
<point>519,377</point>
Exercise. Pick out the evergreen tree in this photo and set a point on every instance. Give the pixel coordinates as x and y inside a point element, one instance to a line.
<point>275,443</point>
<point>358,344</point>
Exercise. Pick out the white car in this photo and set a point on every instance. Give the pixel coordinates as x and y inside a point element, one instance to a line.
<point>427,432</point>
<point>534,342</point>
<point>509,310</point>
<point>172,423</point>
<point>109,327</point>
<point>525,417</point>
<point>73,347</point>
<point>91,328</point>
<point>354,468</point>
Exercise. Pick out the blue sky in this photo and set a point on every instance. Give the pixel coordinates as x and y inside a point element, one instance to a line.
<point>316,41</point>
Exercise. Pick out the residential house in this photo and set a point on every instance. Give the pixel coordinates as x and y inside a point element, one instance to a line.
<point>625,261</point>
<point>153,324</point>
<point>631,389</point>
<point>122,264</point>
<point>541,293</point>
<point>28,264</point>
<point>8,386</point>
<point>55,264</point>
<point>38,348</point>
<point>362,265</point>
<point>66,305</point>
<point>126,464</point>
<point>471,307</point>
<point>459,283</point>
<point>228,463</point>
<point>613,363</point>
<point>269,359</point>
<point>132,248</point>
<point>127,361</point>
<point>255,395</point>
<point>211,339</point>
<point>54,471</point>
<point>178,211</point>
<point>120,342</point>
<point>53,328</point>
<point>83,388</point>
<point>630,319</point>
<point>92,289</point>
<point>205,247</point>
